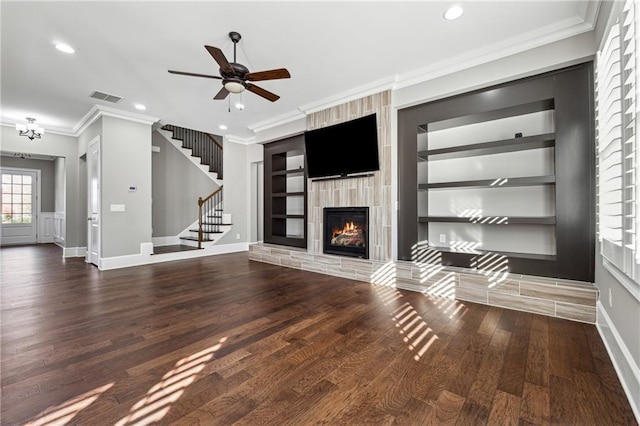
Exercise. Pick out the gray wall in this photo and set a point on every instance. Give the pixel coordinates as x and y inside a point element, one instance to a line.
<point>47,181</point>
<point>236,191</point>
<point>59,184</point>
<point>620,305</point>
<point>56,146</point>
<point>125,160</point>
<point>177,184</point>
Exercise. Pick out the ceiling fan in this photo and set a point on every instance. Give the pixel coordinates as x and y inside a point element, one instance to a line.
<point>236,77</point>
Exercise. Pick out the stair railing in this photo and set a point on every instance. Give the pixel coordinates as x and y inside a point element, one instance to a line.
<point>209,214</point>
<point>215,156</point>
<point>201,144</point>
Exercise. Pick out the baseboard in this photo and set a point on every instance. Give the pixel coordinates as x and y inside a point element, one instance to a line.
<point>628,371</point>
<point>165,241</point>
<point>74,251</point>
<point>227,248</point>
<point>145,257</point>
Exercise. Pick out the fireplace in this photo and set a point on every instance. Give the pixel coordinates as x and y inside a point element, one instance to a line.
<point>346,231</point>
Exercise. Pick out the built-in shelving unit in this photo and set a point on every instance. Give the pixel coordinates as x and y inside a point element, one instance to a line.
<point>488,148</point>
<point>519,155</point>
<point>285,193</point>
<point>492,183</point>
<point>491,220</point>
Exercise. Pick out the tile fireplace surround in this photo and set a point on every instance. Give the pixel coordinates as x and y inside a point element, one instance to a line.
<point>546,296</point>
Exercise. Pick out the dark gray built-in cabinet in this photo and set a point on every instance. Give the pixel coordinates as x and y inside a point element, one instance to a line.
<point>285,193</point>
<point>502,178</point>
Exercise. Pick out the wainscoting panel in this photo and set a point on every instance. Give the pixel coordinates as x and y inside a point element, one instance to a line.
<point>45,227</point>
<point>373,192</point>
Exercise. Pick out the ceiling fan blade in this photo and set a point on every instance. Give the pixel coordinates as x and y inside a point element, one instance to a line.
<point>268,75</point>
<point>220,59</point>
<point>261,92</point>
<point>194,74</point>
<point>223,93</point>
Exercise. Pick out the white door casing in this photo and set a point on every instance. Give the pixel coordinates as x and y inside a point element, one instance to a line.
<point>93,202</point>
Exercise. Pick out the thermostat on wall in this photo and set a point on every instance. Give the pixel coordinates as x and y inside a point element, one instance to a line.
<point>133,188</point>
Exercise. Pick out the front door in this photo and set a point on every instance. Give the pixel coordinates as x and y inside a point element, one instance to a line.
<point>93,202</point>
<point>19,206</point>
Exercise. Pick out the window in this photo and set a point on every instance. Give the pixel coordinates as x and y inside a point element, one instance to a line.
<point>616,108</point>
<point>17,198</point>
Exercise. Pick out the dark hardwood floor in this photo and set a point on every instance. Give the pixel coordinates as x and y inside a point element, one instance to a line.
<point>222,340</point>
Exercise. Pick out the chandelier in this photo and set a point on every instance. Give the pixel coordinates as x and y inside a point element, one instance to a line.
<point>30,130</point>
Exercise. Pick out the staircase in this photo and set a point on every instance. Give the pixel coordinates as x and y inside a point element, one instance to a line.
<point>202,145</point>
<point>205,152</point>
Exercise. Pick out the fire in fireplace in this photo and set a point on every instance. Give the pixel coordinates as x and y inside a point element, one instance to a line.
<point>346,231</point>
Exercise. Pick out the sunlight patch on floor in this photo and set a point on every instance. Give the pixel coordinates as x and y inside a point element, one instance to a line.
<point>64,413</point>
<point>159,399</point>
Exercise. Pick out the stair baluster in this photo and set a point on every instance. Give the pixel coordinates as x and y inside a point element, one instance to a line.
<point>209,214</point>
<point>201,144</point>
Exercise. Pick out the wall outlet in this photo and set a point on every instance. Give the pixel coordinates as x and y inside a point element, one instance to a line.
<point>610,299</point>
<point>237,236</point>
<point>443,238</point>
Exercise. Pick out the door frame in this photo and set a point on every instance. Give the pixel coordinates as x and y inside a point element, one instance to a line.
<point>90,249</point>
<point>36,220</point>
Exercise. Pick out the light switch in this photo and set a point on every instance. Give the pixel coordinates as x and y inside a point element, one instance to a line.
<point>117,207</point>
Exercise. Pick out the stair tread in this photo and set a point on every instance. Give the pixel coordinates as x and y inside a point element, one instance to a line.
<point>207,232</point>
<point>196,239</point>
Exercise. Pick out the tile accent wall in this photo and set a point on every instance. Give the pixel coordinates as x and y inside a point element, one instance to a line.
<point>374,192</point>
<point>546,296</point>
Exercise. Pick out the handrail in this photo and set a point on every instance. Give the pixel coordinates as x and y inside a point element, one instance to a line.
<point>202,145</point>
<point>205,206</point>
<point>214,140</point>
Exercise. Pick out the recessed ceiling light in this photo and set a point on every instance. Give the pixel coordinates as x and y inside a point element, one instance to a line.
<point>222,127</point>
<point>240,106</point>
<point>454,12</point>
<point>140,107</point>
<point>65,48</point>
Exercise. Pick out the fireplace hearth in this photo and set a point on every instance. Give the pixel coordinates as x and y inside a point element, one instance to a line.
<point>346,231</point>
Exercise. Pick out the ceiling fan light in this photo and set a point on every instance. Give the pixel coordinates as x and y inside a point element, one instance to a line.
<point>234,86</point>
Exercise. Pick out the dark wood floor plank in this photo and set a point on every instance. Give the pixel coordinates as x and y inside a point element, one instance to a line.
<point>505,409</point>
<point>534,406</point>
<point>222,340</point>
<point>513,373</point>
<point>537,367</point>
<point>480,397</point>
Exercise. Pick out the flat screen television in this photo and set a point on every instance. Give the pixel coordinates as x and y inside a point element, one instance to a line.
<point>343,149</point>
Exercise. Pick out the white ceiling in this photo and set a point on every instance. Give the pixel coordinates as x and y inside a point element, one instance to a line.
<point>125,48</point>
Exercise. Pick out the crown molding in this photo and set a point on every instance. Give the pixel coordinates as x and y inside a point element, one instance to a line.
<point>243,141</point>
<point>542,36</point>
<point>102,111</point>
<point>277,121</point>
<point>359,92</point>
